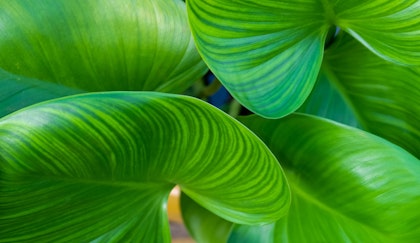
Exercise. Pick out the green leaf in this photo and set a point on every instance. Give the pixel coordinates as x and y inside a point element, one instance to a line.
<point>347,185</point>
<point>202,225</point>
<point>382,96</point>
<point>99,167</point>
<point>390,29</point>
<point>329,101</point>
<point>255,234</point>
<point>268,54</point>
<point>100,45</point>
<point>17,92</point>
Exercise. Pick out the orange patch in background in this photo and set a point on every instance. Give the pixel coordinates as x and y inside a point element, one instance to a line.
<point>178,231</point>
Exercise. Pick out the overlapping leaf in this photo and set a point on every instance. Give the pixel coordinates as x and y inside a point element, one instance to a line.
<point>204,226</point>
<point>17,92</point>
<point>347,185</point>
<point>327,100</point>
<point>261,50</point>
<point>99,167</point>
<point>268,53</point>
<point>391,29</point>
<point>100,45</point>
<point>382,96</point>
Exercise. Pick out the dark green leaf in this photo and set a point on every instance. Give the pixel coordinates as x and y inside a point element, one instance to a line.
<point>17,92</point>
<point>100,167</point>
<point>202,224</point>
<point>327,100</point>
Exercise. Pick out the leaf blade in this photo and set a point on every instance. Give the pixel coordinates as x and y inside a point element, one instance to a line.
<point>100,46</point>
<point>264,54</point>
<point>387,28</point>
<point>18,92</point>
<point>198,221</point>
<point>130,146</point>
<point>372,183</point>
<point>245,43</point>
<point>383,96</point>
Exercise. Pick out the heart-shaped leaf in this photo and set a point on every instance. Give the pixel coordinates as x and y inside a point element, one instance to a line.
<point>100,45</point>
<point>100,166</point>
<point>261,50</point>
<point>268,53</point>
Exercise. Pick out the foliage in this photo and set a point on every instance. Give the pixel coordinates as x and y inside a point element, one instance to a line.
<point>268,53</point>
<point>100,167</point>
<point>92,141</point>
<point>100,45</point>
<point>347,185</point>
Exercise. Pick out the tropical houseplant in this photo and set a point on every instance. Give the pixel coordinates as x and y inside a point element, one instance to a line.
<point>92,138</point>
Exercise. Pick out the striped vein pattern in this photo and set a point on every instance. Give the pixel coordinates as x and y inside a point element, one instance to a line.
<point>268,53</point>
<point>390,29</point>
<point>99,167</point>
<point>347,185</point>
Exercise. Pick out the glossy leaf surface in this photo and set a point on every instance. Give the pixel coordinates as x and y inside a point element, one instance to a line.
<point>383,97</point>
<point>347,185</point>
<point>99,167</point>
<point>18,92</point>
<point>329,101</point>
<point>100,45</point>
<point>391,29</point>
<point>261,50</point>
<point>268,53</point>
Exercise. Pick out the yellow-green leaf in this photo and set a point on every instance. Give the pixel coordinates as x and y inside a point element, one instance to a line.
<point>99,167</point>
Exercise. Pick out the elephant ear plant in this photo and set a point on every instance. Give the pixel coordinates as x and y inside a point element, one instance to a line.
<point>96,129</point>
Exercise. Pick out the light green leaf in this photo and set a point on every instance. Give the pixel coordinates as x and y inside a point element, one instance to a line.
<point>268,53</point>
<point>100,45</point>
<point>202,224</point>
<point>390,29</point>
<point>347,185</point>
<point>17,92</point>
<point>384,97</point>
<point>99,167</point>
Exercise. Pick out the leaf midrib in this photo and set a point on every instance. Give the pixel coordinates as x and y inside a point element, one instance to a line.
<point>138,185</point>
